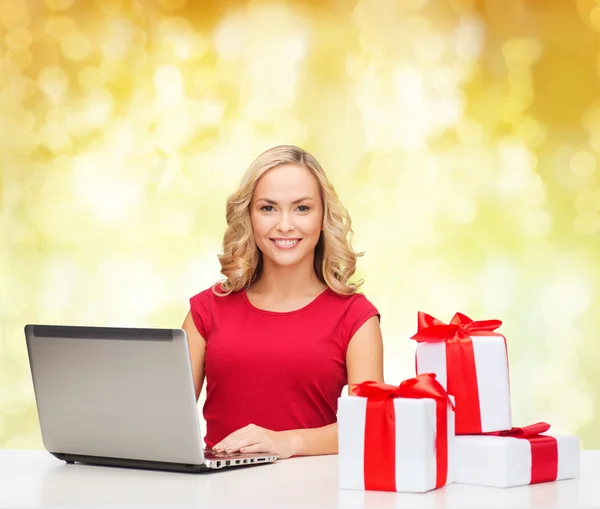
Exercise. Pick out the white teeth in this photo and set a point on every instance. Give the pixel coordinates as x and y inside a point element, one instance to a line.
<point>286,243</point>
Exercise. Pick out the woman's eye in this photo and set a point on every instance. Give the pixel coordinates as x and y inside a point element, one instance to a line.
<point>267,208</point>
<point>303,208</point>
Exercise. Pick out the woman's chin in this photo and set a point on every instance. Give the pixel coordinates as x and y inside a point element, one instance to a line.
<point>283,259</point>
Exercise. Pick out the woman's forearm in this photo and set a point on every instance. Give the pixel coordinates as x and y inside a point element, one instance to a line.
<point>314,441</point>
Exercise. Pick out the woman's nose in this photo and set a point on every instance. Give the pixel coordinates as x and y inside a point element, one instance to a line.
<point>285,224</point>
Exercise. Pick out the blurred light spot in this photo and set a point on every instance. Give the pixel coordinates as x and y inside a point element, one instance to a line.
<point>8,70</point>
<point>462,6</point>
<point>430,47</point>
<point>470,132</point>
<point>210,112</point>
<point>109,7</point>
<point>408,84</point>
<point>177,129</point>
<point>565,300</point>
<point>56,140</point>
<point>55,118</point>
<point>595,140</point>
<point>61,279</point>
<point>461,209</point>
<point>516,165</point>
<point>470,37</point>
<point>595,17</point>
<point>529,130</point>
<point>91,77</point>
<point>117,39</point>
<point>14,14</point>
<point>54,82</point>
<point>522,51</point>
<point>587,223</point>
<point>59,5</point>
<point>443,77</point>
<point>128,275</point>
<point>60,26</point>
<point>588,201</point>
<point>98,105</point>
<point>414,5</point>
<point>277,44</point>
<point>172,5</point>
<point>169,85</point>
<point>101,185</point>
<point>18,39</point>
<point>583,163</point>
<point>230,38</point>
<point>575,408</point>
<point>138,58</point>
<point>534,192</point>
<point>498,284</point>
<point>26,142</point>
<point>536,223</point>
<point>22,57</point>
<point>75,46</point>
<point>186,43</point>
<point>511,108</point>
<point>94,111</point>
<point>519,78</point>
<point>590,119</point>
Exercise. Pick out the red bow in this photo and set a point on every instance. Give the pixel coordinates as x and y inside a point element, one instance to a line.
<point>380,428</point>
<point>461,374</point>
<point>525,432</point>
<point>431,329</point>
<point>544,450</point>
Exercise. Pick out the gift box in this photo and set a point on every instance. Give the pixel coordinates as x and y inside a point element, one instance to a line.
<point>396,438</point>
<point>517,457</point>
<point>471,363</point>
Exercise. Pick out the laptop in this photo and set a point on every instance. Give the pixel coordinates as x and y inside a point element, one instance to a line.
<point>121,397</point>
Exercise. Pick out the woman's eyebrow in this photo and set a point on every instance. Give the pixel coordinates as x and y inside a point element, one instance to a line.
<point>273,202</point>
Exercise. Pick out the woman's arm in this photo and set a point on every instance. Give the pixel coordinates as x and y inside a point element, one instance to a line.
<point>197,346</point>
<point>364,361</point>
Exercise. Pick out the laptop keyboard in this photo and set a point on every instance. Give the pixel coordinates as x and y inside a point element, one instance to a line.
<point>210,453</point>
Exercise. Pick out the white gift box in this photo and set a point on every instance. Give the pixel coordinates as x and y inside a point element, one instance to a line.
<point>503,462</point>
<point>415,437</point>
<point>493,386</point>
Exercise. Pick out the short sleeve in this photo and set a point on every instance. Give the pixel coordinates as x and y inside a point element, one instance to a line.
<point>200,307</point>
<point>359,311</point>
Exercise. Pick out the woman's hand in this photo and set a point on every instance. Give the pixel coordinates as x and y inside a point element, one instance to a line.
<point>252,438</point>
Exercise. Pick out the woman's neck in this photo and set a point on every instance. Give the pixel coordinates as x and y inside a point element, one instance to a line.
<point>288,282</point>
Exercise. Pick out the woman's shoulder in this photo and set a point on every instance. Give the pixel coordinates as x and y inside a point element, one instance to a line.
<point>212,293</point>
<point>351,303</point>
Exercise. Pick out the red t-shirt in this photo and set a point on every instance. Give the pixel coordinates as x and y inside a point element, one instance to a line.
<point>277,370</point>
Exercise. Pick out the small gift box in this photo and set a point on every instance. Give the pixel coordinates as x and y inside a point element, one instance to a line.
<point>471,362</point>
<point>396,438</point>
<point>516,457</point>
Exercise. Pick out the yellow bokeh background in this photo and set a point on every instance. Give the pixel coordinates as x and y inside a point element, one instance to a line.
<point>463,136</point>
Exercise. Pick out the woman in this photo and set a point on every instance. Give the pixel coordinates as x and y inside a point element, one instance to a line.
<point>286,330</point>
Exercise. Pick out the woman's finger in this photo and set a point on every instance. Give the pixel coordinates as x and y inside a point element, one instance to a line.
<point>232,437</point>
<point>260,447</point>
<point>250,439</point>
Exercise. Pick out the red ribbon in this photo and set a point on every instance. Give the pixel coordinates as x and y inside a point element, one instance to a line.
<point>544,450</point>
<point>461,374</point>
<point>380,428</point>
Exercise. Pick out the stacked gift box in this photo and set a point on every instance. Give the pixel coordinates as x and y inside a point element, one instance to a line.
<point>450,423</point>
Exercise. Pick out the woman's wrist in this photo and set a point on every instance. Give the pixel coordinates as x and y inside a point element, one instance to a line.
<point>294,440</point>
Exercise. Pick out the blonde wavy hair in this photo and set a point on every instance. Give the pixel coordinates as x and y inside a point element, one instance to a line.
<point>241,261</point>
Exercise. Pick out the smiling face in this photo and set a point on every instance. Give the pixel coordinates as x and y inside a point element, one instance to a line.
<point>287,215</point>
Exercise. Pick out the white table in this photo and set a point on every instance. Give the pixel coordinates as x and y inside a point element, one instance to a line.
<point>30,478</point>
